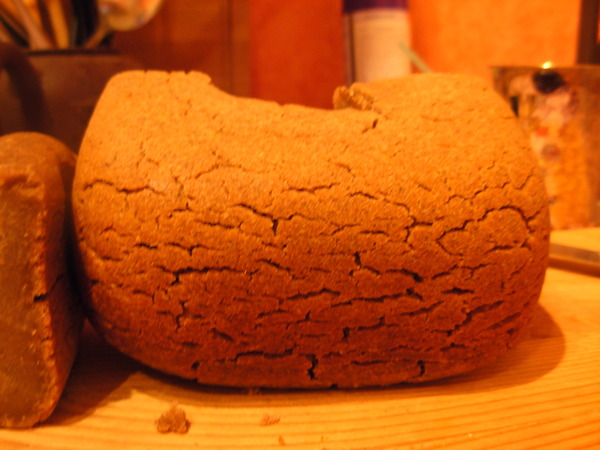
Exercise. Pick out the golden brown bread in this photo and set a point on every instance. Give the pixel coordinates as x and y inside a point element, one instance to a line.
<point>244,243</point>
<point>40,317</point>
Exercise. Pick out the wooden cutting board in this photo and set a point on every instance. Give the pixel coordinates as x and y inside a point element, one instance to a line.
<point>543,393</point>
<point>588,238</point>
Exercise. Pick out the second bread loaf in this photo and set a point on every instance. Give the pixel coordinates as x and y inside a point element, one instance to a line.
<point>244,243</point>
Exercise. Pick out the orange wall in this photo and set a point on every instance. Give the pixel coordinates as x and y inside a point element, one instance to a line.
<point>295,56</point>
<point>296,50</point>
<point>296,45</point>
<point>470,35</point>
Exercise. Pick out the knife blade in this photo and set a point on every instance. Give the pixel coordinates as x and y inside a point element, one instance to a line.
<point>575,258</point>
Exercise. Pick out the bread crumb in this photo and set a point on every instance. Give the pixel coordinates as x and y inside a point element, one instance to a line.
<point>281,441</point>
<point>269,419</point>
<point>173,421</point>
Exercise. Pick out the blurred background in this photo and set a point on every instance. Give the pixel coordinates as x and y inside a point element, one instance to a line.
<point>295,51</point>
<point>292,50</point>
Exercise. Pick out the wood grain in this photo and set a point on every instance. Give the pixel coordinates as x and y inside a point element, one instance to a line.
<point>587,238</point>
<point>542,394</point>
<point>210,36</point>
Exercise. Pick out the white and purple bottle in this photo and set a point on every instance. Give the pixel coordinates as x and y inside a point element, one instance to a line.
<point>376,34</point>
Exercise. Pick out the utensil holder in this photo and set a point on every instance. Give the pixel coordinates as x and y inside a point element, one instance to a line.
<point>54,92</point>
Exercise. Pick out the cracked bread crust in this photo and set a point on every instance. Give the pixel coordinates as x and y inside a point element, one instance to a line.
<point>244,243</point>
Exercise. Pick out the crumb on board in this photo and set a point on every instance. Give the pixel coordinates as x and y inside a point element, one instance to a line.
<point>173,420</point>
<point>281,441</point>
<point>269,419</point>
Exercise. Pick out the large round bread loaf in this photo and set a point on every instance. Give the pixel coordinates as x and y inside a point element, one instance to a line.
<point>244,243</point>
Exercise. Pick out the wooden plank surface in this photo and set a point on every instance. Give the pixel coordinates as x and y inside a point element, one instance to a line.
<point>588,238</point>
<point>542,394</point>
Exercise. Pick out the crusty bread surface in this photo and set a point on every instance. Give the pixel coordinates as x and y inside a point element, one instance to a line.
<point>402,237</point>
<point>40,314</point>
